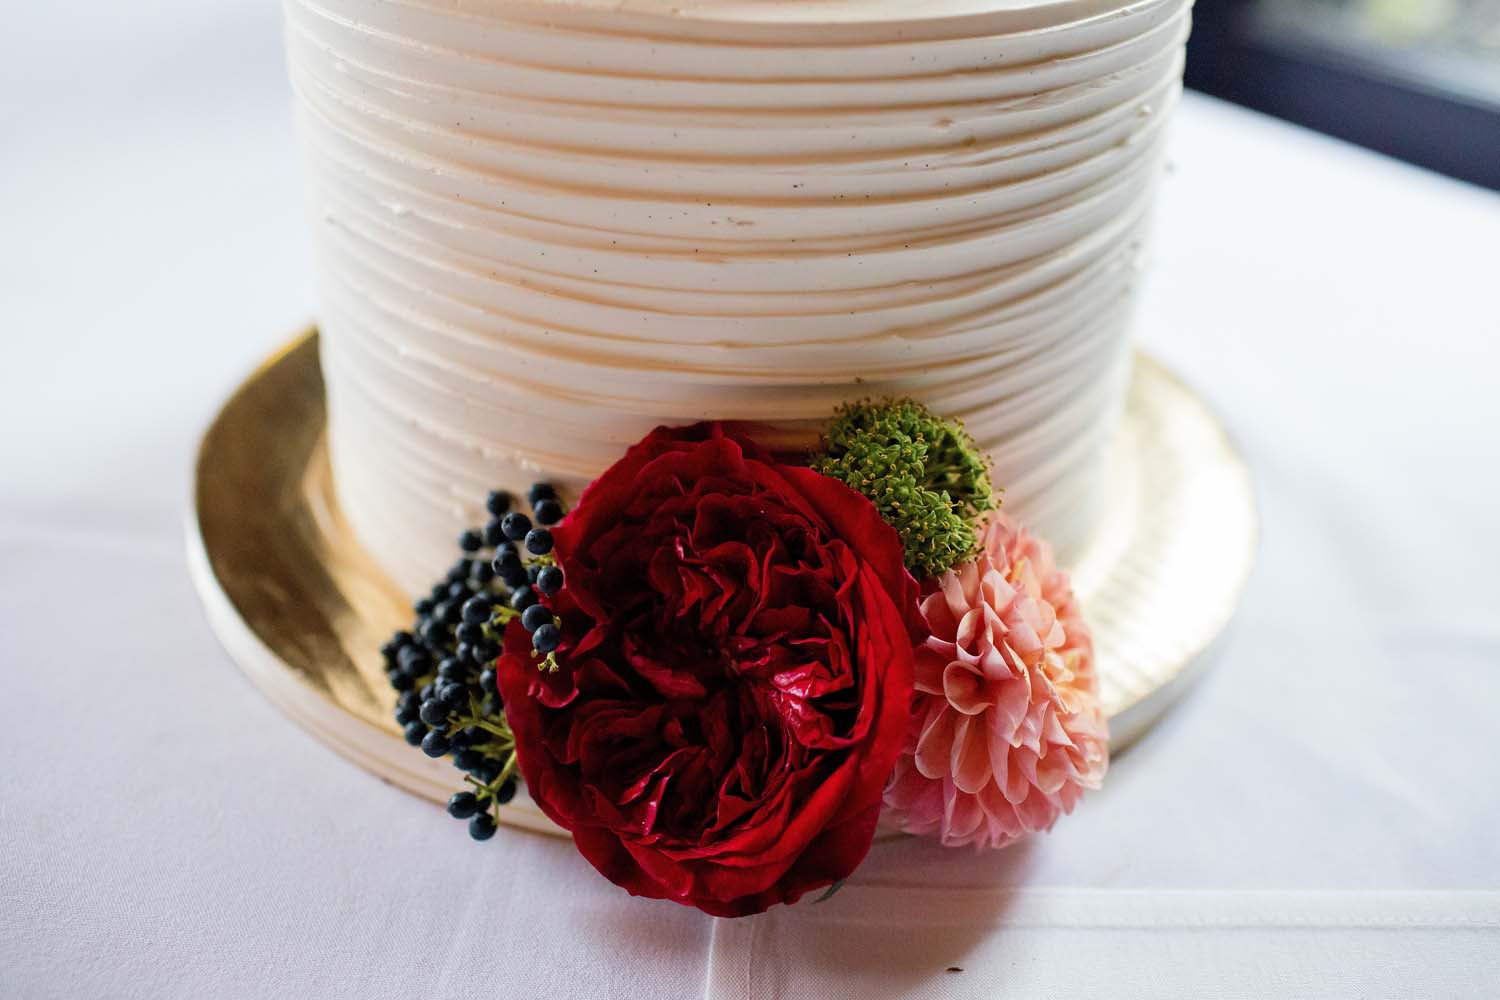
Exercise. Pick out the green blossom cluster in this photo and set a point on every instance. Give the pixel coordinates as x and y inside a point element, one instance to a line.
<point>924,474</point>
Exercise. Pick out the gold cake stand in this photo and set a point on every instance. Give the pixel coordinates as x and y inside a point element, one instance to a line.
<point>303,609</point>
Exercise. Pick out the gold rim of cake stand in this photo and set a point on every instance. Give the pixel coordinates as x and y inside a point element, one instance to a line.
<point>302,608</point>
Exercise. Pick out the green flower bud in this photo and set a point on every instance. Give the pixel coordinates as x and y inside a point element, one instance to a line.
<point>925,475</point>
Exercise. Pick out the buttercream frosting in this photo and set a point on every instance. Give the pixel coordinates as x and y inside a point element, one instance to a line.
<point>546,226</point>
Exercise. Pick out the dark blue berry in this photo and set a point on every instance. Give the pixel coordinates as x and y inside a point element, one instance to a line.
<point>423,608</point>
<point>515,525</point>
<point>435,744</point>
<point>427,690</point>
<point>452,669</point>
<point>470,634</point>
<point>549,580</point>
<point>414,732</point>
<point>435,634</point>
<point>523,598</point>
<point>483,573</point>
<point>484,652</point>
<point>468,760</point>
<point>453,695</point>
<point>459,592</point>
<point>494,533</point>
<point>539,541</point>
<point>434,712</point>
<point>464,653</point>
<point>408,707</point>
<point>391,651</point>
<point>487,681</point>
<point>413,659</point>
<point>463,805</point>
<point>535,617</point>
<point>546,638</point>
<point>471,540</point>
<point>401,680</point>
<point>505,557</point>
<point>482,827</point>
<point>549,511</point>
<point>498,502</point>
<point>505,792</point>
<point>515,576</point>
<point>540,492</point>
<point>459,571</point>
<point>489,771</point>
<point>477,610</point>
<point>453,612</point>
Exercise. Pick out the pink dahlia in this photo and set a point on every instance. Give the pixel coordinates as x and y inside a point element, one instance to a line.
<point>1006,732</point>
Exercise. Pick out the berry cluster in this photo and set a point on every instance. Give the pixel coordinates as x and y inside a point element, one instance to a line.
<point>442,668</point>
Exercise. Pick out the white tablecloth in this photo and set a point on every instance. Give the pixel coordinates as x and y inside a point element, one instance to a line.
<point>1321,816</point>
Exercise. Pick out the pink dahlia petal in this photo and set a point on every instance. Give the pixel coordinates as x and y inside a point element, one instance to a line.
<point>935,609</point>
<point>1010,707</point>
<point>971,756</point>
<point>962,816</point>
<point>930,665</point>
<point>971,633</point>
<point>964,687</point>
<point>933,750</point>
<point>1007,730</point>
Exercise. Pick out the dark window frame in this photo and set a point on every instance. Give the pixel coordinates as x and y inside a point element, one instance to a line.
<point>1376,102</point>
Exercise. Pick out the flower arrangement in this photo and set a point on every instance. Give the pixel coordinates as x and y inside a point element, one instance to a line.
<point>724,666</point>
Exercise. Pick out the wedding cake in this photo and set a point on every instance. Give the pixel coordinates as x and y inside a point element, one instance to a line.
<point>545,227</point>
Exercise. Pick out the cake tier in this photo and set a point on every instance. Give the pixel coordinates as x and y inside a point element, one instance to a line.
<point>546,227</point>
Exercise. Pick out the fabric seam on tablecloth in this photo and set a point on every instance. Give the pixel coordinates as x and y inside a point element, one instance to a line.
<point>734,943</point>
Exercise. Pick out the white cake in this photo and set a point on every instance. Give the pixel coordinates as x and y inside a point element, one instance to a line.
<point>546,227</point>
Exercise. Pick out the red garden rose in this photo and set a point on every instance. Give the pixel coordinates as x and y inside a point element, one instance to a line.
<point>736,675</point>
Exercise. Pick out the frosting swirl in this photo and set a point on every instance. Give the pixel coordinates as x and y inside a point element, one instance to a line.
<point>546,226</point>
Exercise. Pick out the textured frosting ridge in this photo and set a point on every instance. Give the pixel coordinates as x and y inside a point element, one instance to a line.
<point>546,226</point>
